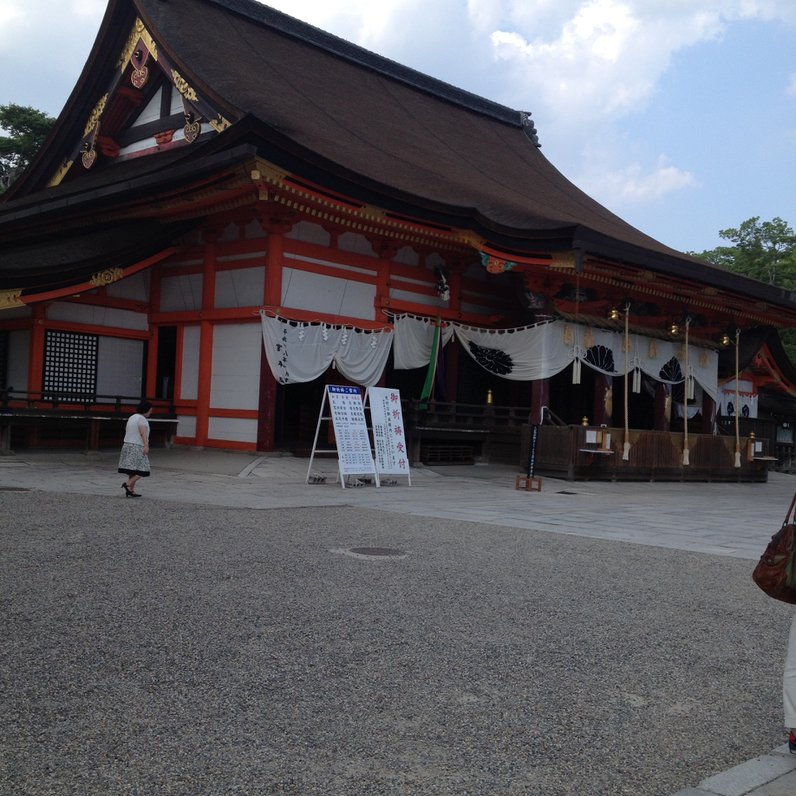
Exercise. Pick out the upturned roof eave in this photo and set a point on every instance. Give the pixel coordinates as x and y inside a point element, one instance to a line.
<point>251,138</point>
<point>113,31</point>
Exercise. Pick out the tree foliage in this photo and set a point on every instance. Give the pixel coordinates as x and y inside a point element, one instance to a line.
<point>763,250</point>
<point>27,128</point>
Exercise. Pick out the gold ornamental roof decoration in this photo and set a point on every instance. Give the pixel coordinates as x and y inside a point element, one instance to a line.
<point>138,33</point>
<point>10,299</point>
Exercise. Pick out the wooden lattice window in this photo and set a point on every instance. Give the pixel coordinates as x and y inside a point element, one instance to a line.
<point>70,366</point>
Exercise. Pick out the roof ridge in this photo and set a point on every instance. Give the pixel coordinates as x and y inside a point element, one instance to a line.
<point>303,31</point>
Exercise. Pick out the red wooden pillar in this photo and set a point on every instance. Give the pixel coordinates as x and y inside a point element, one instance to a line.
<point>36,350</point>
<point>151,387</point>
<point>385,250</point>
<point>540,398</point>
<point>452,350</point>
<point>206,339</point>
<point>276,227</point>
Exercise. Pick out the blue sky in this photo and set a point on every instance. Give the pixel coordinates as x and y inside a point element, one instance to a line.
<point>679,115</point>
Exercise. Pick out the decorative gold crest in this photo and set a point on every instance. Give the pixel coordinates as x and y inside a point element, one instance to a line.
<point>10,299</point>
<point>588,338</point>
<point>106,277</point>
<point>192,130</point>
<point>89,158</point>
<point>219,124</point>
<point>652,349</point>
<point>138,77</point>
<point>137,34</point>
<point>568,338</point>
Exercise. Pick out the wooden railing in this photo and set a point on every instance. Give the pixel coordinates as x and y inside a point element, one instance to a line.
<point>69,420</point>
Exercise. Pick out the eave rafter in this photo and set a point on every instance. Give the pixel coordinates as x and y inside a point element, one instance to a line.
<point>676,296</point>
<point>297,195</point>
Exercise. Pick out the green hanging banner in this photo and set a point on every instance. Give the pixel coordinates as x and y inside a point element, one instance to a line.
<point>428,385</point>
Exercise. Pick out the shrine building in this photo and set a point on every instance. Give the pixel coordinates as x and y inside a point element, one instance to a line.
<point>235,209</point>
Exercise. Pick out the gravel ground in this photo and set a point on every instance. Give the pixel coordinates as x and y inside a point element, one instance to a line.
<point>153,648</point>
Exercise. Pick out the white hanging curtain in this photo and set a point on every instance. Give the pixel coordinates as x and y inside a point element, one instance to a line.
<point>541,351</point>
<point>524,354</point>
<point>299,352</point>
<point>414,338</point>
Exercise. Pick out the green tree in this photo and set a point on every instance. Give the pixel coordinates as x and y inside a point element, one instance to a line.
<point>763,250</point>
<point>27,128</point>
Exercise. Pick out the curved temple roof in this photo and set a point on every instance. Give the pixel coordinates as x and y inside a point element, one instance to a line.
<point>356,123</point>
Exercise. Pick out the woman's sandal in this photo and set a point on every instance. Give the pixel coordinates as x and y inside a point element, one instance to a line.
<point>128,492</point>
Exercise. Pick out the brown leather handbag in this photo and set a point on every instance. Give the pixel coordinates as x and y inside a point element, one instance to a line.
<point>775,571</point>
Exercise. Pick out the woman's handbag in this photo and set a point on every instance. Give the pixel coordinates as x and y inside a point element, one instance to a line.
<point>774,572</point>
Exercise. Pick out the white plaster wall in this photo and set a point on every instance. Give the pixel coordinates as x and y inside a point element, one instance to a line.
<point>418,298</point>
<point>16,312</point>
<point>135,287</point>
<point>120,365</point>
<point>235,381</point>
<point>181,293</point>
<point>186,426</point>
<point>151,112</point>
<point>232,429</point>
<point>480,309</point>
<point>310,233</point>
<point>97,316</point>
<point>407,255</point>
<point>18,351</point>
<point>230,232</point>
<point>243,287</point>
<point>354,242</point>
<point>253,230</point>
<point>189,376</point>
<point>319,293</point>
<point>176,101</point>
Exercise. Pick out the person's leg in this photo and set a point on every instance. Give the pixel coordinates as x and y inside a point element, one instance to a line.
<point>132,481</point>
<point>789,679</point>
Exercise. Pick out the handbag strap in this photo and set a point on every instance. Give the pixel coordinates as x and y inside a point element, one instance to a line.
<point>790,510</point>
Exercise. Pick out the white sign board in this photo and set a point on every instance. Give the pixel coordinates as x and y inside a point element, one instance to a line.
<point>350,430</point>
<point>389,440</point>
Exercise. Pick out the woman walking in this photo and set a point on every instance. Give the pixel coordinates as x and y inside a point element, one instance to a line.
<point>134,458</point>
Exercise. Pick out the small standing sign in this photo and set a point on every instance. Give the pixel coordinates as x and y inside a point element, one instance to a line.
<point>350,431</point>
<point>389,439</point>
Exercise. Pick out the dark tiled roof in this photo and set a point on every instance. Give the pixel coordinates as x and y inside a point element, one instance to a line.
<point>352,121</point>
<point>39,265</point>
<point>396,129</point>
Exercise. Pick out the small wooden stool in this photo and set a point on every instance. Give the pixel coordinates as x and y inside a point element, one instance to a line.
<point>528,483</point>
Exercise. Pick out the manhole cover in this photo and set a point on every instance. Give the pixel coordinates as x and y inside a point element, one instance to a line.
<point>564,492</point>
<point>372,553</point>
<point>14,489</point>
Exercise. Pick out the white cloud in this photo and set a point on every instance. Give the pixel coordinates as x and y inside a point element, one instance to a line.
<point>632,185</point>
<point>604,59</point>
